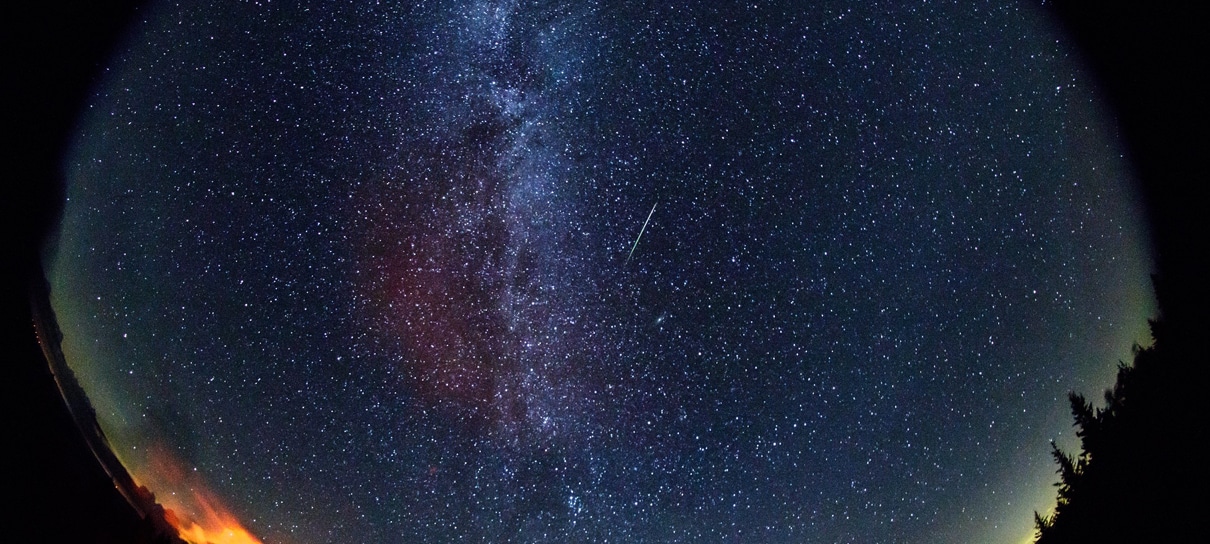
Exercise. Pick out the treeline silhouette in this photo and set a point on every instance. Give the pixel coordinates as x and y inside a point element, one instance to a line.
<point>1140,474</point>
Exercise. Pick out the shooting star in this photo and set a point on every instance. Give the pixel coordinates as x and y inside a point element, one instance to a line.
<point>641,231</point>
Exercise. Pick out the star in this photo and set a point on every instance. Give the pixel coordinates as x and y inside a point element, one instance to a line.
<point>355,271</point>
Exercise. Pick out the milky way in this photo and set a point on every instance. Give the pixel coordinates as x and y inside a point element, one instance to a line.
<point>550,272</point>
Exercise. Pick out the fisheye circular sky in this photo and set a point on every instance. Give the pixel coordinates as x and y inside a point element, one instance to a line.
<point>597,271</point>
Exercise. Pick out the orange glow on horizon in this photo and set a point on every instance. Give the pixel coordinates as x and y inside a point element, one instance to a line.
<point>190,507</point>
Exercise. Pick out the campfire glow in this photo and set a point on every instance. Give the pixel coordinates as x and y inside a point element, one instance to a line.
<point>197,513</point>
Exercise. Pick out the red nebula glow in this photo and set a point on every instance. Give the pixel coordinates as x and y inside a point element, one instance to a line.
<point>425,284</point>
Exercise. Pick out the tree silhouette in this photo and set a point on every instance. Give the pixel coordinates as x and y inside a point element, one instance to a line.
<point>1139,476</point>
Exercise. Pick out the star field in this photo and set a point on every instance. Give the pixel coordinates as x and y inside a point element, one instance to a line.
<point>367,268</point>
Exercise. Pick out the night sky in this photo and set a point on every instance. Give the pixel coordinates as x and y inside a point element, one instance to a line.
<point>374,273</point>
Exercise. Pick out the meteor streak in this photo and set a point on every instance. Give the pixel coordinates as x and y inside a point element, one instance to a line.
<point>641,231</point>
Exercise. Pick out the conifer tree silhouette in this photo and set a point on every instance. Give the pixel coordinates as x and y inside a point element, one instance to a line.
<point>1138,476</point>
